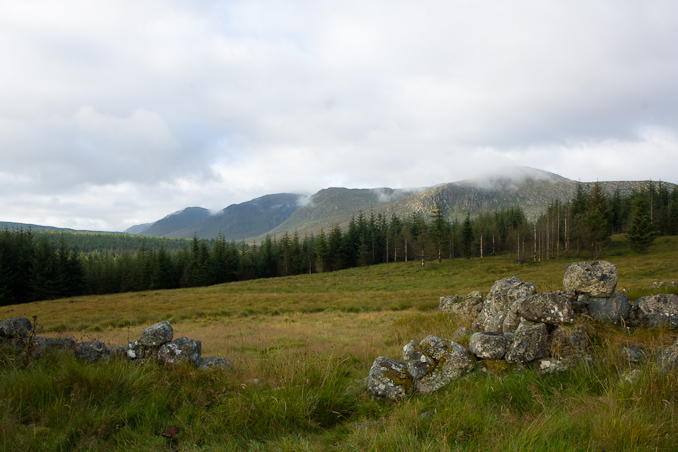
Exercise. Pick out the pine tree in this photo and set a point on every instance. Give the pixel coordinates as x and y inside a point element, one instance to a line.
<point>642,232</point>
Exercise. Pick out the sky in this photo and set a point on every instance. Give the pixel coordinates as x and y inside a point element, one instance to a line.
<point>119,112</point>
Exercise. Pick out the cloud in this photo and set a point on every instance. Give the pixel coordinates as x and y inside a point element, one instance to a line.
<point>118,111</point>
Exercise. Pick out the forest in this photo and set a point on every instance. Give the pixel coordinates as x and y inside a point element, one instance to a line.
<point>49,265</point>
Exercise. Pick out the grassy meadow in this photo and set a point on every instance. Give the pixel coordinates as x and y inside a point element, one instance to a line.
<point>302,346</point>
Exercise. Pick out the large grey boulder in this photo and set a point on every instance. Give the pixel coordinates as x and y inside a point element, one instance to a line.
<point>418,362</point>
<point>488,345</point>
<point>215,362</point>
<point>179,351</point>
<point>389,379</point>
<point>655,311</point>
<point>552,308</point>
<point>156,335</point>
<point>529,343</point>
<point>16,328</point>
<point>597,279</point>
<point>45,346</point>
<point>615,309</point>
<point>93,351</point>
<point>502,295</point>
<point>453,364</point>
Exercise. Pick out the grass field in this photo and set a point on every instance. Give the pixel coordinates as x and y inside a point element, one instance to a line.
<point>301,347</point>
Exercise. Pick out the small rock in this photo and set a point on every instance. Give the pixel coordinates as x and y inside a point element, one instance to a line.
<point>389,379</point>
<point>181,350</point>
<point>216,362</point>
<point>418,362</point>
<point>634,354</point>
<point>530,343</point>
<point>488,345</point>
<point>156,335</point>
<point>631,376</point>
<point>93,351</point>
<point>597,279</point>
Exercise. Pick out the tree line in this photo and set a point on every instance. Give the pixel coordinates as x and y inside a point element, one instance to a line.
<point>38,266</point>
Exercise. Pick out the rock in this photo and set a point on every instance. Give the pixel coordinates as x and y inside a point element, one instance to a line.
<point>488,345</point>
<point>469,307</point>
<point>454,364</point>
<point>630,377</point>
<point>53,344</point>
<point>435,347</point>
<point>93,351</point>
<point>570,341</point>
<point>530,343</point>
<point>418,362</point>
<point>181,350</point>
<point>555,365</point>
<point>496,305</point>
<point>552,308</point>
<point>655,311</point>
<point>597,279</point>
<point>156,335</point>
<point>615,309</point>
<point>16,328</point>
<point>446,303</point>
<point>475,295</point>
<point>668,360</point>
<point>634,354</point>
<point>389,379</point>
<point>461,333</point>
<point>581,304</point>
<point>136,350</point>
<point>511,322</point>
<point>215,362</point>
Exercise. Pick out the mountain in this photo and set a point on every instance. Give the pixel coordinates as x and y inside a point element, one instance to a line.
<point>176,221</point>
<point>33,227</point>
<point>138,229</point>
<point>531,189</point>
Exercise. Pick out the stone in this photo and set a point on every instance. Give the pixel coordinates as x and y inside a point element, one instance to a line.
<point>16,328</point>
<point>630,377</point>
<point>215,362</point>
<point>615,309</point>
<point>634,354</point>
<point>552,308</point>
<point>655,311</point>
<point>668,360</point>
<point>117,352</point>
<point>454,364</point>
<point>157,335</point>
<point>179,351</point>
<point>511,322</point>
<point>93,351</point>
<point>570,341</point>
<point>45,346</point>
<point>469,307</point>
<point>418,362</point>
<point>446,303</point>
<point>530,343</point>
<point>503,293</point>
<point>435,347</point>
<point>555,365</point>
<point>596,279</point>
<point>488,345</point>
<point>136,350</point>
<point>388,379</point>
<point>462,332</point>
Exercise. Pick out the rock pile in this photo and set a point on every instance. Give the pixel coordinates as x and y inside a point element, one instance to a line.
<point>156,342</point>
<point>517,325</point>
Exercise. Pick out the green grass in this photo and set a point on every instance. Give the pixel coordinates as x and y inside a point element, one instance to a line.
<point>302,346</point>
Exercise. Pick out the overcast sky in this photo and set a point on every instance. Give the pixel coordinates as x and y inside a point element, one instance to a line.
<point>117,112</point>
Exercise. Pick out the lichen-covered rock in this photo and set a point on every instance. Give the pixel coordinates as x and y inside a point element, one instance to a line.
<point>655,311</point>
<point>555,365</point>
<point>446,303</point>
<point>503,293</point>
<point>117,352</point>
<point>463,307</point>
<point>45,346</point>
<point>16,328</point>
<point>215,362</point>
<point>530,342</point>
<point>668,360</point>
<point>418,362</point>
<point>488,345</point>
<point>634,354</point>
<point>570,341</point>
<point>136,350</point>
<point>597,279</point>
<point>511,322</point>
<point>552,308</point>
<point>615,309</point>
<point>454,364</point>
<point>461,333</point>
<point>389,379</point>
<point>93,351</point>
<point>157,335</point>
<point>630,377</point>
<point>434,346</point>
<point>179,351</point>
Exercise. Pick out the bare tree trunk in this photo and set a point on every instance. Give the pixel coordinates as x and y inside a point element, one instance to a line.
<point>534,253</point>
<point>481,245</point>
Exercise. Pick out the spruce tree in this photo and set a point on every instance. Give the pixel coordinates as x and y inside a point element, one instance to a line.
<point>642,232</point>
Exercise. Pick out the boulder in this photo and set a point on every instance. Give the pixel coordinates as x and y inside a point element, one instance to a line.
<point>655,311</point>
<point>117,351</point>
<point>156,335</point>
<point>16,328</point>
<point>136,350</point>
<point>668,360</point>
<point>215,362</point>
<point>503,293</point>
<point>463,307</point>
<point>555,365</point>
<point>418,362</point>
<point>179,351</point>
<point>454,364</point>
<point>435,347</point>
<point>530,342</point>
<point>389,379</point>
<point>93,351</point>
<point>488,345</point>
<point>511,322</point>
<point>634,354</point>
<point>570,341</point>
<point>615,309</point>
<point>597,279</point>
<point>552,308</point>
<point>51,345</point>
